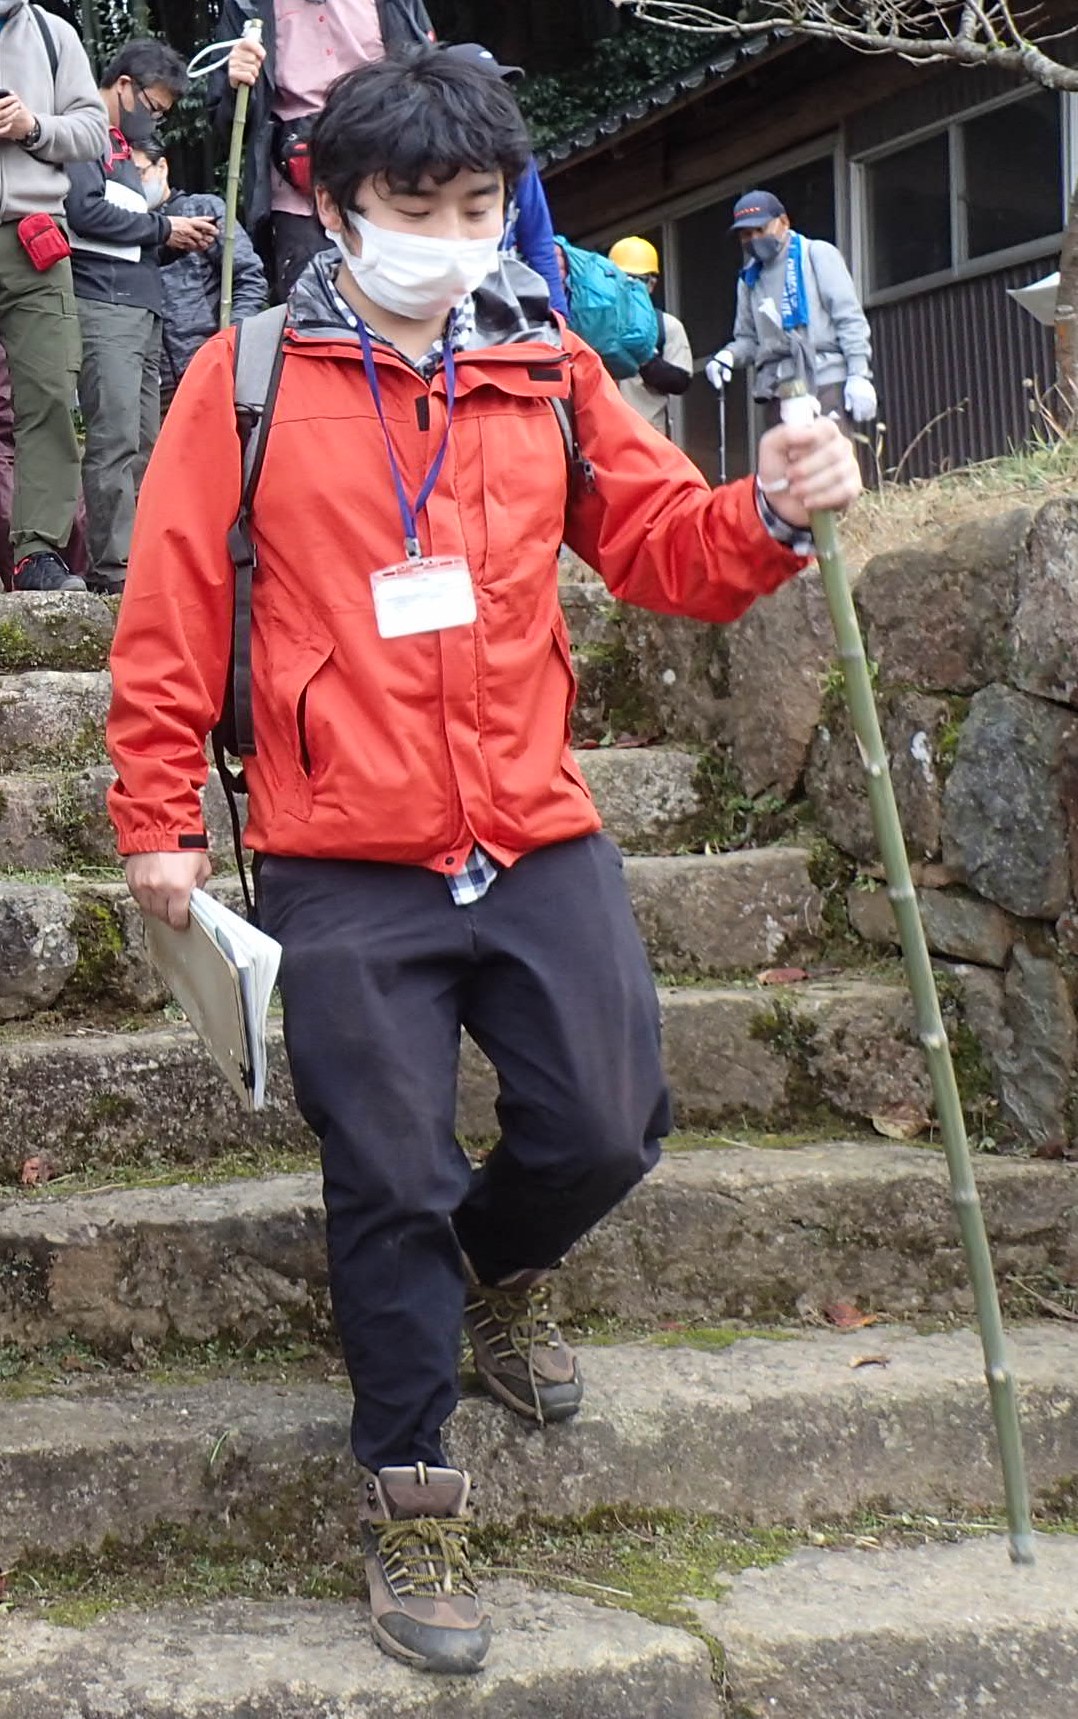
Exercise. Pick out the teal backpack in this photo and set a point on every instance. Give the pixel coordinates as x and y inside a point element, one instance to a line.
<point>610,310</point>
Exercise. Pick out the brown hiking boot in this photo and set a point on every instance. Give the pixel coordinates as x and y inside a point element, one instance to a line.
<point>520,1355</point>
<point>424,1604</point>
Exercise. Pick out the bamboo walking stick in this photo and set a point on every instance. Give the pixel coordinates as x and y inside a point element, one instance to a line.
<point>800,407</point>
<point>252,31</point>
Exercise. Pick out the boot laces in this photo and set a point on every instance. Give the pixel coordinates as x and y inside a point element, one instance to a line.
<point>426,1556</point>
<point>515,1324</point>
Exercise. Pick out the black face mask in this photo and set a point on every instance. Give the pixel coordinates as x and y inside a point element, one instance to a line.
<point>138,125</point>
<point>767,247</point>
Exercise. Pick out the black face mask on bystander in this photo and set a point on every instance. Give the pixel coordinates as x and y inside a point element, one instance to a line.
<point>138,125</point>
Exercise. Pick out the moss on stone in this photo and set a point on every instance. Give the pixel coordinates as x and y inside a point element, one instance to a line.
<point>977,1086</point>
<point>612,690</point>
<point>728,818</point>
<point>793,1036</point>
<point>947,739</point>
<point>16,649</point>
<point>833,873</point>
<point>101,951</point>
<point>50,645</point>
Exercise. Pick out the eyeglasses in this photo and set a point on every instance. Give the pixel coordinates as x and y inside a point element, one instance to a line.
<point>146,100</point>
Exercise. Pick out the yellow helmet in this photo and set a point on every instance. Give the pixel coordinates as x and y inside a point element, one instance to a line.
<point>635,256</point>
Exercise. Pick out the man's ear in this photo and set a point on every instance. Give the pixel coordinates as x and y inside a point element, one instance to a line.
<point>328,212</point>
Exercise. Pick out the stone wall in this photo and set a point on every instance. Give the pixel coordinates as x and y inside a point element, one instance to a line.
<point>975,654</point>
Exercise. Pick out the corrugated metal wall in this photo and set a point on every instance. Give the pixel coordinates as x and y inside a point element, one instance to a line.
<point>963,350</point>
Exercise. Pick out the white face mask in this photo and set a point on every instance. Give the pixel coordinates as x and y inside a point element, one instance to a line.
<point>412,274</point>
<point>154,191</point>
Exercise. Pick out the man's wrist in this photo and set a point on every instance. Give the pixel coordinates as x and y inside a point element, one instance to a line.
<point>33,136</point>
<point>795,537</point>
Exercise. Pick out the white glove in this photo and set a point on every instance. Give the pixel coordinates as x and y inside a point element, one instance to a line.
<point>720,369</point>
<point>860,399</point>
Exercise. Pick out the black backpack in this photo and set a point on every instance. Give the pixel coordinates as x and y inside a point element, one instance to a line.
<point>258,359</point>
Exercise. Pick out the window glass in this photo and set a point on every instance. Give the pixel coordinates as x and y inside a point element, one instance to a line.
<point>1013,174</point>
<point>910,212</point>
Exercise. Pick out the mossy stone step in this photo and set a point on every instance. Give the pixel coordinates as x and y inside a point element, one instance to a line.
<point>830,1051</point>
<point>639,673</point>
<point>656,799</point>
<point>743,1233</point>
<point>760,1433</point>
<point>932,1631</point>
<point>553,1657</point>
<point>68,943</point>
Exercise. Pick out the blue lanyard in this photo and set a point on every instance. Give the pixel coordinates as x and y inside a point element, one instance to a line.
<point>409,512</point>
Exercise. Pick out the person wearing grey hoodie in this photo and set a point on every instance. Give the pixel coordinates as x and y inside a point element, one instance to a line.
<point>50,114</point>
<point>789,282</point>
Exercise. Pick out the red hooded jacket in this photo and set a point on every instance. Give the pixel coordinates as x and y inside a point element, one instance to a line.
<point>407,750</point>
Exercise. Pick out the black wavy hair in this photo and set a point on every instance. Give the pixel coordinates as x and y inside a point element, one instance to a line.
<point>147,61</point>
<point>417,114</point>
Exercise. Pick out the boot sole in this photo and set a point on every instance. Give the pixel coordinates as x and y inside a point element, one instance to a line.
<point>442,1666</point>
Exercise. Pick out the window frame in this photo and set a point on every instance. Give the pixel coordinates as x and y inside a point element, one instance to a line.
<point>963,266</point>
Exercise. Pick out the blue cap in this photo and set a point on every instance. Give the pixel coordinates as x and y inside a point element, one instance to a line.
<point>756,209</point>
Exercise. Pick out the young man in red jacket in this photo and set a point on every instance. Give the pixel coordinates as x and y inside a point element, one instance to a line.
<point>427,851</point>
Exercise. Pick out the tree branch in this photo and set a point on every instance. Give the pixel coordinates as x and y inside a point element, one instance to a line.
<point>880,27</point>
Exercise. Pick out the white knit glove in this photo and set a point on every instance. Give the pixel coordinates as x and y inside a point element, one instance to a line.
<point>860,399</point>
<point>720,369</point>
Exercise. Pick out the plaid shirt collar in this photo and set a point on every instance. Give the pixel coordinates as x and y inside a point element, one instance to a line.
<point>459,329</point>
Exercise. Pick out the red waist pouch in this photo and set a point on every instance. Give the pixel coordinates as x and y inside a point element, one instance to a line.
<point>44,242</point>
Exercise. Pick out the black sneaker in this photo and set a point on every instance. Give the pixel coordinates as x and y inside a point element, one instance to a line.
<point>108,584</point>
<point>45,572</point>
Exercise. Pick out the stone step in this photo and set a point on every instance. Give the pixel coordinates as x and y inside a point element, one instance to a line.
<point>654,799</point>
<point>829,1051</point>
<point>764,1432</point>
<point>733,1232</point>
<point>70,943</point>
<point>638,672</point>
<point>553,1657</point>
<point>934,1630</point>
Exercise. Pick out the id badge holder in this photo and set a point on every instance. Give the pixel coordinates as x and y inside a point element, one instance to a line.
<point>425,594</point>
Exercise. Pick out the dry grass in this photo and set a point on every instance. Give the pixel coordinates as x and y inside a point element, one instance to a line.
<point>922,513</point>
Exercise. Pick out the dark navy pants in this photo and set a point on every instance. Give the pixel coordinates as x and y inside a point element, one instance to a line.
<point>381,970</point>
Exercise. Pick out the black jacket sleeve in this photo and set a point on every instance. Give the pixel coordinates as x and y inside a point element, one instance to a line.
<point>403,22</point>
<point>665,378</point>
<point>249,288</point>
<point>91,214</point>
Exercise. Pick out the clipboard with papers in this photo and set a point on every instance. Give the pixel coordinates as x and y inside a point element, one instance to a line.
<point>221,971</point>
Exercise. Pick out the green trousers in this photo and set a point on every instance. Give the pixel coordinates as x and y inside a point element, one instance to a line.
<point>39,329</point>
<point>120,396</point>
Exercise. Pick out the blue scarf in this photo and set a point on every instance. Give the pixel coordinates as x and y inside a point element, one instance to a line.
<point>795,310</point>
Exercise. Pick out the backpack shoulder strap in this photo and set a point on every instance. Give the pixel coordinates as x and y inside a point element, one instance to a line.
<point>581,471</point>
<point>256,373</point>
<point>49,40</point>
<point>257,363</point>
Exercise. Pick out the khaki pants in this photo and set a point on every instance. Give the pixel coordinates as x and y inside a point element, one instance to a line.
<point>120,396</point>
<point>39,329</point>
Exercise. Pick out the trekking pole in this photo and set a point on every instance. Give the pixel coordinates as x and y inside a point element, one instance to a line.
<point>799,407</point>
<point>252,32</point>
<point>722,434</point>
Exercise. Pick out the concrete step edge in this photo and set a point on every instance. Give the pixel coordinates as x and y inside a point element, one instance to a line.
<point>762,1432</point>
<point>937,1629</point>
<point>756,1233</point>
<point>552,1655</point>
